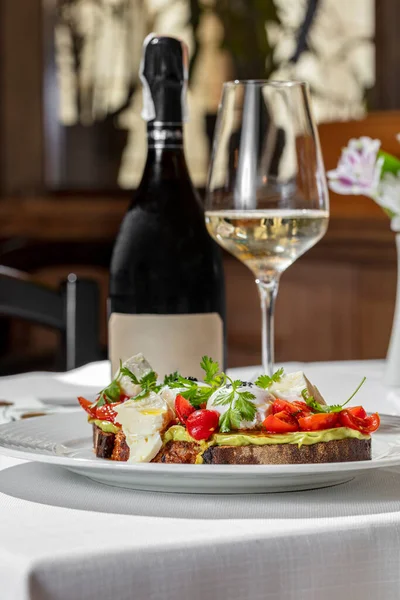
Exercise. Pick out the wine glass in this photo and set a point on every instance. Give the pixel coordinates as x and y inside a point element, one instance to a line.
<point>267,200</point>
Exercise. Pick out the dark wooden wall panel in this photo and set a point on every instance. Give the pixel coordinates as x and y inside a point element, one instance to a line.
<point>21,96</point>
<point>386,95</point>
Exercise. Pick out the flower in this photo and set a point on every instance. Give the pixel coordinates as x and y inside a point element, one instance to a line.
<point>388,193</point>
<point>359,168</point>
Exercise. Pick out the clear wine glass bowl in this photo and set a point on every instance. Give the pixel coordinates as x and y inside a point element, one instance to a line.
<point>267,201</point>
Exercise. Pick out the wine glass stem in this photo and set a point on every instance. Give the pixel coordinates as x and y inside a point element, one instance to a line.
<point>268,292</point>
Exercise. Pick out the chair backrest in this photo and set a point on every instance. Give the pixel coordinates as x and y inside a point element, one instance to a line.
<point>73,310</point>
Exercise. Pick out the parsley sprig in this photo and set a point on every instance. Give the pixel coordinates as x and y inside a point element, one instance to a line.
<point>192,391</point>
<point>112,392</point>
<point>241,407</point>
<point>265,381</point>
<point>324,408</point>
<point>148,382</point>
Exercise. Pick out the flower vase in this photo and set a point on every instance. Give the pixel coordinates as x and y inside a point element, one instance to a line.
<point>392,373</point>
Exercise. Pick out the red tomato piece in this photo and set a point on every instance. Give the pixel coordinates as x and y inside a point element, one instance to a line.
<point>318,421</point>
<point>296,408</point>
<point>183,408</point>
<point>357,411</point>
<point>87,406</point>
<point>107,412</point>
<point>281,422</point>
<point>202,423</point>
<point>363,425</point>
<point>305,409</point>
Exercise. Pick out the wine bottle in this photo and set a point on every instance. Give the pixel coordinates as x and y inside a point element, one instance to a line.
<point>166,278</point>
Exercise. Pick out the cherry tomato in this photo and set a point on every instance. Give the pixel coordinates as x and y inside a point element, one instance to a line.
<point>357,411</point>
<point>296,408</point>
<point>87,406</point>
<point>107,412</point>
<point>305,409</point>
<point>202,423</point>
<point>315,422</point>
<point>363,425</point>
<point>123,397</point>
<point>183,408</point>
<point>281,422</point>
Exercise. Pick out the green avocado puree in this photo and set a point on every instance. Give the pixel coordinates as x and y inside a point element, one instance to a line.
<point>178,433</point>
<point>105,426</point>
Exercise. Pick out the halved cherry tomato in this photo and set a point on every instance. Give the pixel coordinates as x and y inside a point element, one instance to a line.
<point>296,408</point>
<point>316,422</point>
<point>363,425</point>
<point>357,411</point>
<point>183,408</point>
<point>305,409</point>
<point>87,406</point>
<point>107,412</point>
<point>202,423</point>
<point>281,422</point>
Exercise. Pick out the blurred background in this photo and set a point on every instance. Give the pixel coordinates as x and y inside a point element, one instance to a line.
<point>73,145</point>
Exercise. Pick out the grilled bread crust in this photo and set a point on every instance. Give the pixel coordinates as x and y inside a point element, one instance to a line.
<point>114,447</point>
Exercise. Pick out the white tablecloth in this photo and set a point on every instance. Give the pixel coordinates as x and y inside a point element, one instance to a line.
<point>63,537</point>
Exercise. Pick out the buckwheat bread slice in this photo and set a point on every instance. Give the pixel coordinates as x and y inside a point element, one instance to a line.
<point>114,447</point>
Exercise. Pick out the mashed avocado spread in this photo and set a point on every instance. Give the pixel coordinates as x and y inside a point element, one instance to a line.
<point>105,426</point>
<point>178,433</point>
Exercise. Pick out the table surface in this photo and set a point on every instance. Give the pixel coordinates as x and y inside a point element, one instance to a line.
<point>64,537</point>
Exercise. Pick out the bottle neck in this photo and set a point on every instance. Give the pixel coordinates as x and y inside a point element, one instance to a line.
<point>165,154</point>
<point>164,136</point>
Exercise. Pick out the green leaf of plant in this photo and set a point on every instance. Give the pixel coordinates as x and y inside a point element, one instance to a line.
<point>265,382</point>
<point>171,378</point>
<point>224,397</point>
<point>235,418</point>
<point>245,408</point>
<point>124,371</point>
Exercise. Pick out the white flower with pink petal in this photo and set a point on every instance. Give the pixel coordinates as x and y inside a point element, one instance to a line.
<point>388,195</point>
<point>359,168</point>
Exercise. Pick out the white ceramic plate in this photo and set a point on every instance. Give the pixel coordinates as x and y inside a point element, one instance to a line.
<point>65,440</point>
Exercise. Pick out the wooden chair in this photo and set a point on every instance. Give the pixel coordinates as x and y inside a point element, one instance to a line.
<point>73,310</point>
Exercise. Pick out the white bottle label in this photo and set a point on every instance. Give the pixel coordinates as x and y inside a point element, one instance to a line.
<point>169,342</point>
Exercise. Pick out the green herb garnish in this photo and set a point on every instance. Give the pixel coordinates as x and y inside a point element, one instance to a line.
<point>265,381</point>
<point>213,376</point>
<point>112,392</point>
<point>241,407</point>
<point>191,390</point>
<point>148,382</point>
<point>171,378</point>
<point>323,408</point>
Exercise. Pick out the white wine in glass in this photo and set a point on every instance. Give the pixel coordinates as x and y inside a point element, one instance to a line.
<point>267,201</point>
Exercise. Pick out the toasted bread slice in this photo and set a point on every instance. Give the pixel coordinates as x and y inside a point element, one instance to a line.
<point>114,447</point>
<point>348,449</point>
